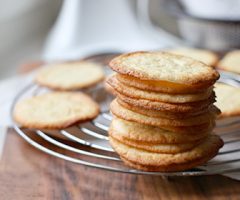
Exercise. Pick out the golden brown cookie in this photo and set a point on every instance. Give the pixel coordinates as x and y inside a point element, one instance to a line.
<point>168,107</point>
<point>127,130</point>
<point>166,67</point>
<point>156,96</point>
<point>173,168</point>
<point>55,110</point>
<point>129,115</point>
<point>70,76</point>
<point>157,86</point>
<point>203,55</point>
<point>149,161</point>
<point>156,148</point>
<point>228,100</point>
<point>169,115</point>
<point>109,89</point>
<point>231,62</point>
<point>191,129</point>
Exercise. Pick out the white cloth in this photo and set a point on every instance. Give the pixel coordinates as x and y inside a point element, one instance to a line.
<point>9,88</point>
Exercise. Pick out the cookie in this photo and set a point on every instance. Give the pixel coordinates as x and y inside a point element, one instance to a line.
<point>156,96</point>
<point>165,68</point>
<point>168,115</point>
<point>156,148</point>
<point>205,56</point>
<point>168,107</point>
<point>70,76</point>
<point>205,127</point>
<point>228,100</point>
<point>129,115</point>
<point>109,89</point>
<point>149,161</point>
<point>140,133</point>
<point>172,168</point>
<point>157,86</point>
<point>231,62</point>
<point>55,110</point>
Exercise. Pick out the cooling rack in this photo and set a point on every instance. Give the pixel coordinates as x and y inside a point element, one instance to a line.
<point>87,144</point>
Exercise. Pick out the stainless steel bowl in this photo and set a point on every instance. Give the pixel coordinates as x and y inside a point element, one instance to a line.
<point>218,35</point>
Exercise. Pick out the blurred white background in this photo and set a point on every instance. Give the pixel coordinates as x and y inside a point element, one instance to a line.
<point>25,25</point>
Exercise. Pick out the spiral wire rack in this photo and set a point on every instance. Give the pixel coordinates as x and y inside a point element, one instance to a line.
<point>87,143</point>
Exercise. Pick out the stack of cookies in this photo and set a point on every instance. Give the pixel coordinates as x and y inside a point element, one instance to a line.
<point>164,113</point>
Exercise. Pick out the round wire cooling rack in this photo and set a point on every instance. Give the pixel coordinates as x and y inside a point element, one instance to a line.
<point>87,143</point>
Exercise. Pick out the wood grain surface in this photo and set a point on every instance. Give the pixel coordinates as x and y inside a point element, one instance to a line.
<point>28,174</point>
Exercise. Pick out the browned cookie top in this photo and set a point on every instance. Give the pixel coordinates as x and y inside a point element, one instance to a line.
<point>162,66</point>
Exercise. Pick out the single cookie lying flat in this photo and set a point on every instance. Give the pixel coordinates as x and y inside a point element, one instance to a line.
<point>164,67</point>
<point>166,114</point>
<point>191,129</point>
<point>159,86</point>
<point>205,56</point>
<point>192,107</point>
<point>149,161</point>
<point>126,130</point>
<point>156,148</point>
<point>129,115</point>
<point>55,110</point>
<point>156,96</point>
<point>231,62</point>
<point>70,76</point>
<point>228,100</point>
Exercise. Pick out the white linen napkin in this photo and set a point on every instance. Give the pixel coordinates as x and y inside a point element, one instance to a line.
<point>8,89</point>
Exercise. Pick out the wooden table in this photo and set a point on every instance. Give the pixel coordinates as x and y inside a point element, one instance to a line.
<point>28,174</point>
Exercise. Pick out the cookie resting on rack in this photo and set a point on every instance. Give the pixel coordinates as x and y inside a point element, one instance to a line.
<point>70,76</point>
<point>55,110</point>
